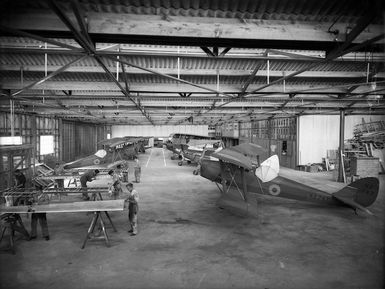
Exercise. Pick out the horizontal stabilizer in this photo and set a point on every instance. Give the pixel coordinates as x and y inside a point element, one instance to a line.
<point>347,196</point>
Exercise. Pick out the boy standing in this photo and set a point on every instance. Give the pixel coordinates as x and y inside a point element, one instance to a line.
<point>133,198</point>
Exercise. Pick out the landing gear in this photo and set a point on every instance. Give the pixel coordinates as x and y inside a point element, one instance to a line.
<point>180,163</point>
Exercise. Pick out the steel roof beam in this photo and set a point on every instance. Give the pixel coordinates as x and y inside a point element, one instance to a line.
<point>84,41</point>
<point>125,92</point>
<point>73,49</point>
<point>255,56</point>
<point>49,76</point>
<point>80,18</point>
<point>78,36</point>
<point>246,84</point>
<point>169,76</point>
<point>363,22</point>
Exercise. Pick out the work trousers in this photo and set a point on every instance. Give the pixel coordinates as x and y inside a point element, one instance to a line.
<point>133,217</point>
<point>84,190</point>
<point>42,217</point>
<point>116,193</point>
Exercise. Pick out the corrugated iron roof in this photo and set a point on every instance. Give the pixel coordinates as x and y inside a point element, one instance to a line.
<point>293,10</point>
<point>193,65</point>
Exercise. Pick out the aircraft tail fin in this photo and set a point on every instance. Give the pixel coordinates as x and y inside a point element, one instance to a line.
<point>268,170</point>
<point>359,194</point>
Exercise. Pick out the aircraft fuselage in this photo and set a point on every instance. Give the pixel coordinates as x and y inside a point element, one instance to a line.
<point>230,175</point>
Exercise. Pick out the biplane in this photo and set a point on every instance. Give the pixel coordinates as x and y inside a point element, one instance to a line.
<point>240,180</point>
<point>188,145</point>
<point>115,151</point>
<point>196,149</point>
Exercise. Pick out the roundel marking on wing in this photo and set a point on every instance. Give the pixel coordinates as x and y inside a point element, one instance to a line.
<point>96,161</point>
<point>274,190</point>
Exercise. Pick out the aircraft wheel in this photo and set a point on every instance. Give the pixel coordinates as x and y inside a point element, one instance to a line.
<point>180,163</point>
<point>189,162</point>
<point>195,172</point>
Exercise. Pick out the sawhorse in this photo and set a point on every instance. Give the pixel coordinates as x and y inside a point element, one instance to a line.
<point>13,223</point>
<point>102,228</point>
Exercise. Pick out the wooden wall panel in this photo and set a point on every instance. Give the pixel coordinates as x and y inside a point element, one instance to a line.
<point>278,136</point>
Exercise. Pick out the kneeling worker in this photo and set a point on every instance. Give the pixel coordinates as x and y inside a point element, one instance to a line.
<point>88,176</point>
<point>114,187</point>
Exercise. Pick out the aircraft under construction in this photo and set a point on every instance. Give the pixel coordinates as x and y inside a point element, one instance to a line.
<point>115,151</point>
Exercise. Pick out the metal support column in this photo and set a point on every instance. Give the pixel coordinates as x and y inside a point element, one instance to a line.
<point>341,150</point>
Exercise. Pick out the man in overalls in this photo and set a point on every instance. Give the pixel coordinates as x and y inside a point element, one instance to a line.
<point>133,198</point>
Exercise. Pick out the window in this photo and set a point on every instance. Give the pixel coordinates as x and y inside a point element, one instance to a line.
<point>10,140</point>
<point>284,147</point>
<point>46,144</point>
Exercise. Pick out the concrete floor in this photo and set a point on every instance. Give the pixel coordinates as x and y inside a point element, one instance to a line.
<point>186,241</point>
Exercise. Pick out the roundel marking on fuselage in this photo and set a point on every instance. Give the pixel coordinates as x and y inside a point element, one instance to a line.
<point>274,190</point>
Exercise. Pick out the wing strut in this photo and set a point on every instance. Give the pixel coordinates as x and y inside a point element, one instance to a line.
<point>226,187</point>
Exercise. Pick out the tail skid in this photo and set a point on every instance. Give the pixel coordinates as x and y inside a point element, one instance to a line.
<point>359,194</point>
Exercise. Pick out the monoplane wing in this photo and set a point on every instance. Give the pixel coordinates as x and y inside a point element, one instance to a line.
<point>233,157</point>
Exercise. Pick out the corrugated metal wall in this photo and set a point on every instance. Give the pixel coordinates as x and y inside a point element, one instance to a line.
<point>81,139</point>
<point>319,133</point>
<point>157,131</point>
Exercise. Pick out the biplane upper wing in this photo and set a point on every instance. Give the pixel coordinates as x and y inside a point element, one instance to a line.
<point>110,141</point>
<point>120,142</point>
<point>233,157</point>
<point>249,149</point>
<point>203,142</point>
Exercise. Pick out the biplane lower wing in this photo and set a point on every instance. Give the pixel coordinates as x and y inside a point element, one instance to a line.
<point>73,207</point>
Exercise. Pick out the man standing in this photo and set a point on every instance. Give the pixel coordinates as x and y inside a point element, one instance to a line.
<point>133,208</point>
<point>15,219</point>
<point>137,170</point>
<point>20,179</point>
<point>88,176</point>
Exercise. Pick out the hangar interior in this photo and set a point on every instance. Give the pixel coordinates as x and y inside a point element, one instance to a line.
<point>304,80</point>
